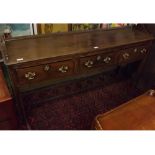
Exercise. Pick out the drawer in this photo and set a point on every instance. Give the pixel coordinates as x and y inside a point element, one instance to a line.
<point>133,54</point>
<point>45,72</point>
<point>98,61</point>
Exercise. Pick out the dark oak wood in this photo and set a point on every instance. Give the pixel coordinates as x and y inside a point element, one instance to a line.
<point>137,114</point>
<point>46,72</point>
<point>102,60</point>
<point>61,44</point>
<point>134,53</point>
<point>35,62</point>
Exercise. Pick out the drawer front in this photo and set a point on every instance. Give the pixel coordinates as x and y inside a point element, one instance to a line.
<point>133,54</point>
<point>45,72</point>
<point>98,61</point>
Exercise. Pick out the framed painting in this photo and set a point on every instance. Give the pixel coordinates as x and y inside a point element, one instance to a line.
<point>115,25</point>
<point>16,30</point>
<point>50,28</point>
<point>112,25</point>
<point>85,26</point>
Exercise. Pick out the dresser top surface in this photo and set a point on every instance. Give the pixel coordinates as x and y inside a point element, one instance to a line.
<point>61,44</point>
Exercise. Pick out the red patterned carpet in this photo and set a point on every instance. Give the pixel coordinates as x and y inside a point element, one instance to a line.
<point>78,111</point>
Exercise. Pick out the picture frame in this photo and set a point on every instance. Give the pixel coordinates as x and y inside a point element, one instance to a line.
<point>17,29</point>
<point>47,28</point>
<point>85,26</point>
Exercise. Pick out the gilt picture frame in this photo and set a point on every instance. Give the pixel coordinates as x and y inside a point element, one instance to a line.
<point>85,26</point>
<point>47,28</point>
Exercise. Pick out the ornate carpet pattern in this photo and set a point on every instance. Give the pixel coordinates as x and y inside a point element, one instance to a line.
<point>77,112</point>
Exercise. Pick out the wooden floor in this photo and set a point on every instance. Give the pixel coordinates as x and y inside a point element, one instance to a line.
<point>136,114</point>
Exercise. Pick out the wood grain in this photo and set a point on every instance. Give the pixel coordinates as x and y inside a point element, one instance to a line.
<point>73,49</point>
<point>61,44</point>
<point>137,114</point>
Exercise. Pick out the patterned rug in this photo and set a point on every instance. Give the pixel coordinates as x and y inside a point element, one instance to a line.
<point>77,112</point>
